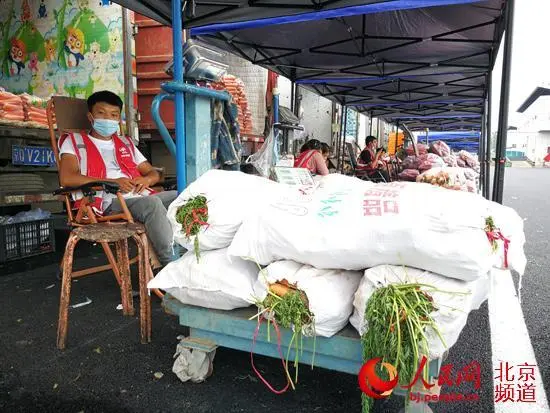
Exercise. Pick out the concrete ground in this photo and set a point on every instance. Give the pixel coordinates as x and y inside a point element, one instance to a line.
<point>106,369</point>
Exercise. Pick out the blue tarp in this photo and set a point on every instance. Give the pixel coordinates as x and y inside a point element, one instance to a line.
<point>328,14</point>
<point>457,141</point>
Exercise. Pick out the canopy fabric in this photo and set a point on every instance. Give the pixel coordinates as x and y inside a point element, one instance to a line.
<point>227,14</point>
<point>457,141</point>
<point>419,62</point>
<point>426,67</point>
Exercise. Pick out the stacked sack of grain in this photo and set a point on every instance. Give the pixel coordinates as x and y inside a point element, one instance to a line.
<point>352,225</point>
<point>328,252</point>
<point>236,89</point>
<point>35,110</point>
<point>11,108</point>
<point>204,220</point>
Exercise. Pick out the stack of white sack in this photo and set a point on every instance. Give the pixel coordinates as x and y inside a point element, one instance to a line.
<point>329,292</point>
<point>350,224</point>
<point>511,226</point>
<point>214,282</point>
<point>452,308</point>
<point>231,196</point>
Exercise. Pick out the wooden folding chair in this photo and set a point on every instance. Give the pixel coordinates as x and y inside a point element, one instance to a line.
<point>69,115</point>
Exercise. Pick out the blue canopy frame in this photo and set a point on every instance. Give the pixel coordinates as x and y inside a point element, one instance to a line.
<point>423,62</point>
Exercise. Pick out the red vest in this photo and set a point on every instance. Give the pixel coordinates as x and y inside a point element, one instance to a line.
<point>303,159</point>
<point>91,163</point>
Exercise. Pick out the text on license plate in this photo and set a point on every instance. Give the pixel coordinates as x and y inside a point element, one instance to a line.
<point>32,155</point>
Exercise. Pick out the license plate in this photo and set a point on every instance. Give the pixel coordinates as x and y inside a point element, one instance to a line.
<point>32,155</point>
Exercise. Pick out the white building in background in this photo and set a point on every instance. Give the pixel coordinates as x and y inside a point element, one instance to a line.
<point>532,137</point>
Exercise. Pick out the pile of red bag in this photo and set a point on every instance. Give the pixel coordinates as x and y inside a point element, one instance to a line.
<point>11,108</point>
<point>23,108</point>
<point>235,87</point>
<point>35,110</point>
<point>437,157</point>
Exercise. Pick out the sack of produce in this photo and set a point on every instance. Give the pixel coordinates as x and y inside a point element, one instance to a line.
<point>469,159</point>
<point>214,282</point>
<point>209,212</point>
<point>327,294</point>
<point>420,147</point>
<point>338,181</point>
<point>430,161</point>
<point>450,178</point>
<point>507,237</point>
<point>410,162</point>
<point>440,148</point>
<point>450,160</point>
<point>11,108</point>
<point>397,223</point>
<point>470,174</point>
<point>452,301</point>
<point>409,175</point>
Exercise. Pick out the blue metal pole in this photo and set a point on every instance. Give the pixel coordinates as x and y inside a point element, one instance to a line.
<point>276,108</point>
<point>163,130</point>
<point>177,41</point>
<point>175,87</point>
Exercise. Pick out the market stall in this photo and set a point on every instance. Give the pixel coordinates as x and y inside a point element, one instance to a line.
<point>250,225</point>
<point>286,267</point>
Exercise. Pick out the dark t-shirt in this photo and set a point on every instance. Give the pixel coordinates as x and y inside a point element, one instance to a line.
<point>366,157</point>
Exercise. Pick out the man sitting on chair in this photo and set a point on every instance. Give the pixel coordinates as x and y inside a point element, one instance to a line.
<point>104,155</point>
<point>370,160</point>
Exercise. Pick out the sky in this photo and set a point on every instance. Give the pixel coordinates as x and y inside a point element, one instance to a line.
<point>530,56</point>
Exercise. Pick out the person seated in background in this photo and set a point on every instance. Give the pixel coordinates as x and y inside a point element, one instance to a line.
<point>371,161</point>
<point>325,151</point>
<point>103,155</point>
<point>311,158</point>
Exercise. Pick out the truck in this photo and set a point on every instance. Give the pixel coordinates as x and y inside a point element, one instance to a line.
<point>64,48</point>
<point>76,48</point>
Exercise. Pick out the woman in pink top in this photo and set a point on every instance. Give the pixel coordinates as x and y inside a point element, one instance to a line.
<point>311,158</point>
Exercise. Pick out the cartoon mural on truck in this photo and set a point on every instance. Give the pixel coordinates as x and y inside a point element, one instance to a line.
<point>66,47</point>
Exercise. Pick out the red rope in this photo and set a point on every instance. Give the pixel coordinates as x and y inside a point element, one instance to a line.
<point>494,236</point>
<point>256,333</point>
<point>195,219</point>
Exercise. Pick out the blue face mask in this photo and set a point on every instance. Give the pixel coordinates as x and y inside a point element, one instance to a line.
<point>105,127</point>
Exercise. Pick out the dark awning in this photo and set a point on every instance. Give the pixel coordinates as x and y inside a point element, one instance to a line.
<point>426,67</point>
<point>422,62</point>
<point>254,13</point>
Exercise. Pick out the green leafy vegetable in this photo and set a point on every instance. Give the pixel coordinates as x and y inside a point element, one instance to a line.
<point>490,228</point>
<point>291,311</point>
<point>397,316</point>
<point>192,216</point>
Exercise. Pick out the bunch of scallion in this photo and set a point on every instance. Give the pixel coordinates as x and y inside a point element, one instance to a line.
<point>490,227</point>
<point>192,216</point>
<point>397,316</point>
<point>290,311</point>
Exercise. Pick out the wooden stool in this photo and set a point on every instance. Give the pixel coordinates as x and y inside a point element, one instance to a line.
<point>117,233</point>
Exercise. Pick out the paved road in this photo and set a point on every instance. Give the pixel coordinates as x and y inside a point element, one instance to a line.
<point>105,369</point>
<point>526,190</point>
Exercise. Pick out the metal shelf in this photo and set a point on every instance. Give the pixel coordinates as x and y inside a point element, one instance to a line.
<point>28,168</point>
<point>23,133</point>
<point>28,198</point>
